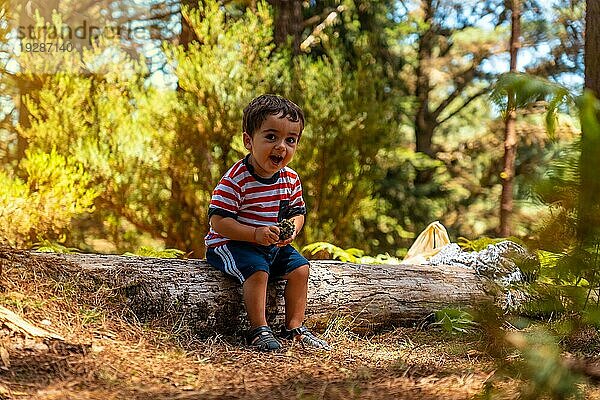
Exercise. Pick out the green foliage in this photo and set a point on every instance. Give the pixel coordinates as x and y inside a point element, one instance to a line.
<point>454,320</point>
<point>351,255</point>
<point>542,369</point>
<point>90,316</point>
<point>560,183</point>
<point>568,241</point>
<point>115,127</point>
<point>145,251</point>
<point>47,246</point>
<point>55,190</point>
<point>483,242</point>
<point>346,131</point>
<point>477,244</point>
<point>413,207</point>
<point>526,90</point>
<point>588,209</point>
<point>570,260</point>
<point>233,61</point>
<point>154,155</point>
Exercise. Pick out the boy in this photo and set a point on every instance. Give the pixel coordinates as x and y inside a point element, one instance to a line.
<point>251,198</point>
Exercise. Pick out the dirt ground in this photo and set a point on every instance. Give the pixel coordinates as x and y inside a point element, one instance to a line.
<point>107,354</point>
<point>403,364</point>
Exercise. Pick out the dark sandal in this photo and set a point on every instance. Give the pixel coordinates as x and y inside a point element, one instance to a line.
<point>262,339</point>
<point>305,337</point>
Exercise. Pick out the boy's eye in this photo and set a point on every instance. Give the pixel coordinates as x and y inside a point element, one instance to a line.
<point>270,137</point>
<point>291,140</point>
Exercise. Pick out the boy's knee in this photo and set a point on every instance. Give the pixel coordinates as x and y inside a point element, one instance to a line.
<point>257,277</point>
<point>300,273</point>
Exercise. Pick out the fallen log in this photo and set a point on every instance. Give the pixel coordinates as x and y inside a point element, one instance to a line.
<point>205,301</point>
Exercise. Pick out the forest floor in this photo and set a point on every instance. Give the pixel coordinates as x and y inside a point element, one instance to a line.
<point>107,354</point>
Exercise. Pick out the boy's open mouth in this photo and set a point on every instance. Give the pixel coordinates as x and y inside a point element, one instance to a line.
<point>276,159</point>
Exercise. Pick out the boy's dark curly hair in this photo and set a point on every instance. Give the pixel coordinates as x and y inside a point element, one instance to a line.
<point>261,107</point>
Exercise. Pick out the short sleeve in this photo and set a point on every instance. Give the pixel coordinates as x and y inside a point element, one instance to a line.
<point>226,199</point>
<point>297,205</point>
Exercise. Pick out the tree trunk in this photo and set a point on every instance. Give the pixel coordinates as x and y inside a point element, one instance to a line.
<point>425,121</point>
<point>592,47</point>
<point>423,124</point>
<point>289,22</point>
<point>24,89</point>
<point>197,296</point>
<point>187,34</point>
<point>510,133</point>
<point>424,133</point>
<point>589,161</point>
<point>184,227</point>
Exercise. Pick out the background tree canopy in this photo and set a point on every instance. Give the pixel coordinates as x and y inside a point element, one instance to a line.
<point>119,144</point>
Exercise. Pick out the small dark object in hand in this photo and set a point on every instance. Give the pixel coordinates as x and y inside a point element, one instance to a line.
<point>286,229</point>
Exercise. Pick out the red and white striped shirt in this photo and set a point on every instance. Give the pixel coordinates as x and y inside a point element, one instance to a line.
<point>253,200</point>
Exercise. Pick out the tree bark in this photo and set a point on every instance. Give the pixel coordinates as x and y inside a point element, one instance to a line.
<point>423,121</point>
<point>289,22</point>
<point>187,34</point>
<point>201,298</point>
<point>592,47</point>
<point>510,133</point>
<point>588,213</point>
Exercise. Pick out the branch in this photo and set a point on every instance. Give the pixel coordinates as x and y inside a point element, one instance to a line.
<point>320,17</point>
<point>470,99</point>
<point>153,227</point>
<point>461,82</point>
<point>445,51</point>
<point>406,9</point>
<point>328,21</point>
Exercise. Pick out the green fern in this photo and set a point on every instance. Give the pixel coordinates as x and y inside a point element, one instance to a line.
<point>145,251</point>
<point>560,184</point>
<point>46,246</point>
<point>588,209</point>
<point>527,90</point>
<point>380,259</point>
<point>454,320</point>
<point>543,371</point>
<point>351,255</point>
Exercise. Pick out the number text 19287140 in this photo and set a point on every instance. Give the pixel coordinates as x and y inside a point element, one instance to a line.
<point>46,47</point>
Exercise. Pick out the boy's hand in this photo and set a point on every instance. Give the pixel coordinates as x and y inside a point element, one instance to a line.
<point>287,241</point>
<point>266,235</point>
<point>288,229</point>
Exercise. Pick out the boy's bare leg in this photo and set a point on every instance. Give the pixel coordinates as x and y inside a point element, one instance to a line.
<point>295,307</point>
<point>295,296</point>
<point>255,298</point>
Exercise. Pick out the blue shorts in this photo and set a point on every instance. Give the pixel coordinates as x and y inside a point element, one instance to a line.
<point>242,259</point>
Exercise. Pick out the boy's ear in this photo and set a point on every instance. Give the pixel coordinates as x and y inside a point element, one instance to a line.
<point>247,141</point>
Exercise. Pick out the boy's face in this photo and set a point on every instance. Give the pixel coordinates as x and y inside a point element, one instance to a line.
<point>273,145</point>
